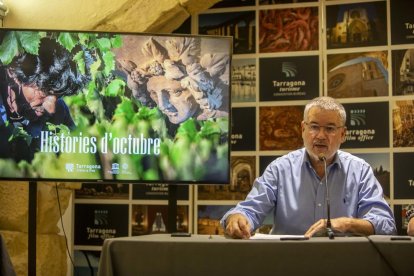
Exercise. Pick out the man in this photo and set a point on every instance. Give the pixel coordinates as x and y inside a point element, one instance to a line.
<point>293,186</point>
<point>31,91</point>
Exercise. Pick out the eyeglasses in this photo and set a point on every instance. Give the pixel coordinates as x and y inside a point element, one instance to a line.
<point>315,128</point>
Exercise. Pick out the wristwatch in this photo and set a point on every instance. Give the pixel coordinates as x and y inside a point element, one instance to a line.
<point>409,214</point>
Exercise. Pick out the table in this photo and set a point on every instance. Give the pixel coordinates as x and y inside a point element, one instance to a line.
<point>161,254</point>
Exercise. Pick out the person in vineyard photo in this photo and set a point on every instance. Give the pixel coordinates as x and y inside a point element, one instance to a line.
<point>32,87</point>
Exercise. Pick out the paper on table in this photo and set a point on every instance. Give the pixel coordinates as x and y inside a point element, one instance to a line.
<point>260,236</point>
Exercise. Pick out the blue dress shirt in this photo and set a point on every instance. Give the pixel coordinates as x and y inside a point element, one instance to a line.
<point>291,189</point>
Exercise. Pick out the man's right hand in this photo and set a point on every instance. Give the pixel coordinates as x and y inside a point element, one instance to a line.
<point>237,227</point>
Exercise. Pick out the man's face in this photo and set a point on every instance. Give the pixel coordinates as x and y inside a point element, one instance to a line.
<point>31,103</point>
<point>39,102</point>
<point>322,133</point>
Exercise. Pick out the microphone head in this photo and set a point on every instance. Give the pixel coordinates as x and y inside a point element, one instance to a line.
<point>321,157</point>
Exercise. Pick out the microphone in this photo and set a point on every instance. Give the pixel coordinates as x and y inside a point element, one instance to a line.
<point>329,230</point>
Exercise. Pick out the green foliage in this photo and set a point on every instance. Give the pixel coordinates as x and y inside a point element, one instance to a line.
<point>15,43</point>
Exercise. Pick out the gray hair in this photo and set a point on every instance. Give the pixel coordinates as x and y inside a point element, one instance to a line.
<point>326,103</point>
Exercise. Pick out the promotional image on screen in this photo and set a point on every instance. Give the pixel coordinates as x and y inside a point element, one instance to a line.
<point>114,106</point>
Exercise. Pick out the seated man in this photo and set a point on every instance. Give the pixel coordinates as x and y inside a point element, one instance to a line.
<point>293,187</point>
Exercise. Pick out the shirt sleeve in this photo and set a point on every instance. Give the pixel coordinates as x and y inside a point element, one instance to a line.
<point>260,200</point>
<point>372,206</point>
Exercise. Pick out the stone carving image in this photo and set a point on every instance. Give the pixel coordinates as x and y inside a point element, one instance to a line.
<point>175,76</point>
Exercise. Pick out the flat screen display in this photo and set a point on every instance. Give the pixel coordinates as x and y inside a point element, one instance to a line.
<point>78,106</point>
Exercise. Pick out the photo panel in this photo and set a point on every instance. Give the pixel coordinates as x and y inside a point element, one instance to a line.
<point>279,127</point>
<point>153,219</point>
<point>264,161</point>
<point>403,72</point>
<point>96,222</point>
<point>367,125</point>
<point>243,173</point>
<point>158,191</point>
<point>208,219</point>
<point>243,80</point>
<point>353,75</point>
<point>288,30</point>
<point>240,25</point>
<point>380,163</point>
<point>403,175</point>
<point>243,131</point>
<point>400,220</point>
<point>103,191</point>
<point>272,2</point>
<point>402,24</point>
<point>233,3</point>
<point>356,25</point>
<point>289,78</point>
<point>403,123</point>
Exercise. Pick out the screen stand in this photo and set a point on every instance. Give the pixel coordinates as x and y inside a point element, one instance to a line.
<point>31,261</point>
<point>172,208</point>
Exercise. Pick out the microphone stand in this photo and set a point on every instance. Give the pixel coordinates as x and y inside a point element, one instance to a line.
<point>329,230</point>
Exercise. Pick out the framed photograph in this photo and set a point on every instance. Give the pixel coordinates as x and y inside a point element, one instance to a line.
<point>402,118</point>
<point>353,75</point>
<point>367,125</point>
<point>279,127</point>
<point>240,25</point>
<point>289,78</point>
<point>272,2</point>
<point>243,134</point>
<point>264,161</point>
<point>158,191</point>
<point>288,30</point>
<point>401,222</point>
<point>402,25</point>
<point>356,25</point>
<point>152,219</point>
<point>403,175</point>
<point>380,163</point>
<point>103,191</point>
<point>403,72</point>
<point>96,222</point>
<point>233,3</point>
<point>208,219</point>
<point>243,173</point>
<point>243,80</point>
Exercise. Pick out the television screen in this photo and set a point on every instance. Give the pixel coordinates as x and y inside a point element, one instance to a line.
<point>78,106</point>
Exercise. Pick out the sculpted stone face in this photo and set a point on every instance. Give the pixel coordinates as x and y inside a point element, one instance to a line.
<point>173,100</point>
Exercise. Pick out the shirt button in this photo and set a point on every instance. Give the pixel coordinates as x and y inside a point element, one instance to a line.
<point>320,183</point>
<point>319,205</point>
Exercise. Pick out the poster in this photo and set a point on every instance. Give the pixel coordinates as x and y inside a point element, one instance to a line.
<point>367,125</point>
<point>243,173</point>
<point>243,131</point>
<point>352,75</point>
<point>288,30</point>
<point>403,175</point>
<point>403,72</point>
<point>96,222</point>
<point>240,25</point>
<point>356,25</point>
<point>289,78</point>
<point>208,219</point>
<point>403,123</point>
<point>280,128</point>
<point>153,219</point>
<point>158,191</point>
<point>402,24</point>
<point>243,80</point>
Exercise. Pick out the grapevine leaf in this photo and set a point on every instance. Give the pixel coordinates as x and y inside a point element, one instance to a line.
<point>9,48</point>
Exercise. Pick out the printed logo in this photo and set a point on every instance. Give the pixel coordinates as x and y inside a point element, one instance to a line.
<point>358,117</point>
<point>100,217</point>
<point>70,167</point>
<point>289,69</point>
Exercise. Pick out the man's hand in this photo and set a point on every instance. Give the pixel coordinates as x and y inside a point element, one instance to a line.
<point>237,226</point>
<point>343,225</point>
